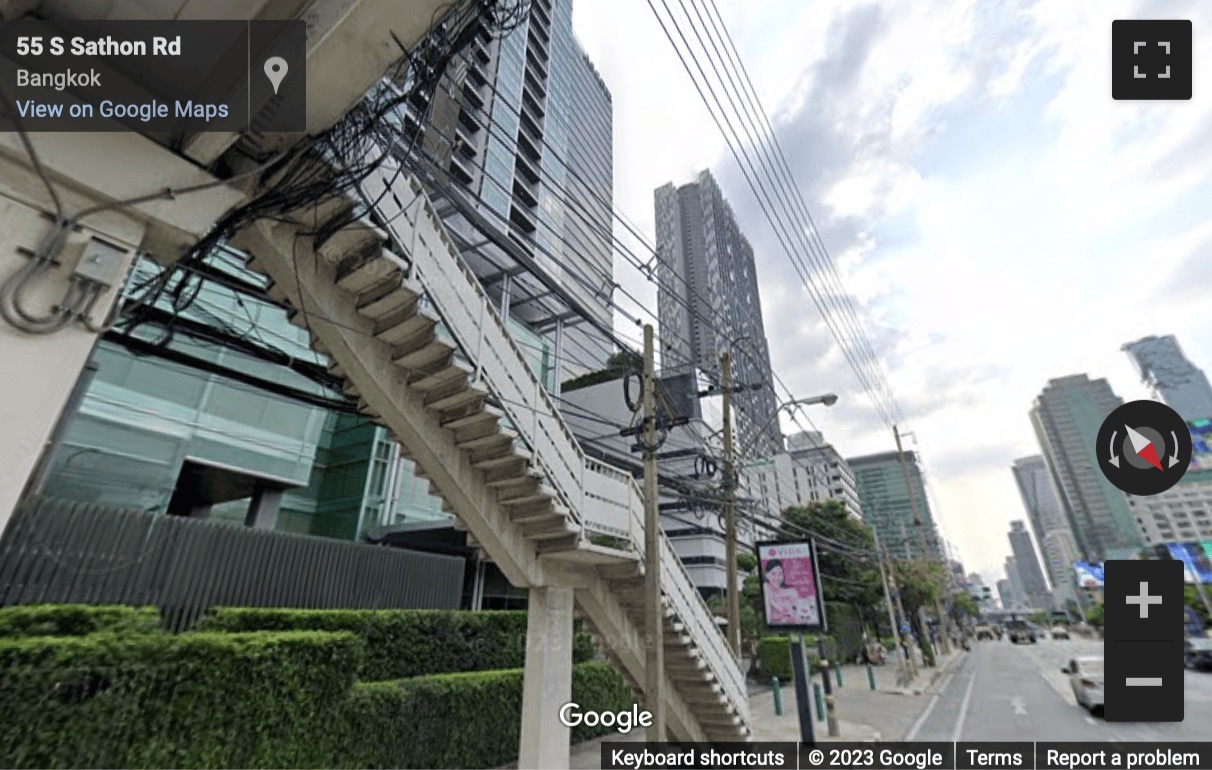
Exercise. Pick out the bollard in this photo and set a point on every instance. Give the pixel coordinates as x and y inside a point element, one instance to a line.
<point>831,711</point>
<point>871,676</point>
<point>837,668</point>
<point>820,702</point>
<point>778,696</point>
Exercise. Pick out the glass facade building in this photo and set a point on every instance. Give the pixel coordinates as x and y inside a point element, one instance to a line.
<point>518,141</point>
<point>192,417</point>
<point>888,509</point>
<point>1066,415</point>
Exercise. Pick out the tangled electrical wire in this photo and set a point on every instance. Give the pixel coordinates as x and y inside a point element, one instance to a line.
<point>336,162</point>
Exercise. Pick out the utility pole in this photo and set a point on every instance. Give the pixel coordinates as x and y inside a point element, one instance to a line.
<point>733,595</point>
<point>654,613</point>
<point>892,621</point>
<point>907,657</point>
<point>945,646</point>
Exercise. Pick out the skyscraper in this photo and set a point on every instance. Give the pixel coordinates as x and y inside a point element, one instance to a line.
<point>1035,586</point>
<point>887,508</point>
<point>1005,592</point>
<point>1174,380</point>
<point>516,150</point>
<point>708,299</point>
<point>1049,523</point>
<point>1017,590</point>
<point>1066,417</point>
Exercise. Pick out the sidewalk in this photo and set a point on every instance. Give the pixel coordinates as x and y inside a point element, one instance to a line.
<point>886,713</point>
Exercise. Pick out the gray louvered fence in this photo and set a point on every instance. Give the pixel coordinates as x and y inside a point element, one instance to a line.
<point>57,551</point>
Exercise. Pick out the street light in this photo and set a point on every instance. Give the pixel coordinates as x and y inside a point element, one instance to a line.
<point>734,595</point>
<point>827,399</point>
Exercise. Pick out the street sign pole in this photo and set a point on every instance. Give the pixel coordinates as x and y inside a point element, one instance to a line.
<point>807,735</point>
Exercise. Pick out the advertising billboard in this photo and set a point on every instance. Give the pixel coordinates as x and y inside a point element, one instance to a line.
<point>1088,575</point>
<point>1201,445</point>
<point>1196,556</point>
<point>790,577</point>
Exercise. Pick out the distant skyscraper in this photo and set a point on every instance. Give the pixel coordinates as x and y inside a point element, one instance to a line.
<point>1174,380</point>
<point>1016,581</point>
<point>1005,592</point>
<point>1066,417</point>
<point>1035,586</point>
<point>887,508</point>
<point>708,296</point>
<point>1048,522</point>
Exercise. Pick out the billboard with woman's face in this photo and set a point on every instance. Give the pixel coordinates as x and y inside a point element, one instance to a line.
<point>790,577</point>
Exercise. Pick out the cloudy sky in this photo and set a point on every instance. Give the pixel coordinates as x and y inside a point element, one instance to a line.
<point>999,219</point>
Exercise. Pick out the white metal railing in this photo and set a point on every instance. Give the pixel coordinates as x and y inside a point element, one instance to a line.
<point>473,321</point>
<point>693,611</point>
<point>601,498</point>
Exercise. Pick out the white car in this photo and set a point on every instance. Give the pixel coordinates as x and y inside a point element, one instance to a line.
<point>1060,632</point>
<point>1086,679</point>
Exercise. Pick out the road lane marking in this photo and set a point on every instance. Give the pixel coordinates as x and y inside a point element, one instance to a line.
<point>963,712</point>
<point>929,708</point>
<point>1019,706</point>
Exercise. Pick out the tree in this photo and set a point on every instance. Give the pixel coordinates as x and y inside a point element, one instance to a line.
<point>963,605</point>
<point>1192,600</point>
<point>1094,615</point>
<point>922,582</point>
<point>617,365</point>
<point>849,576</point>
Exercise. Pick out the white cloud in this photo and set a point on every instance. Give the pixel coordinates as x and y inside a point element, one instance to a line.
<point>1000,220</point>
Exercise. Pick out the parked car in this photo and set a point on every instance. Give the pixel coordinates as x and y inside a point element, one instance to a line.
<point>985,631</point>
<point>1086,679</point>
<point>1060,632</point>
<point>1198,654</point>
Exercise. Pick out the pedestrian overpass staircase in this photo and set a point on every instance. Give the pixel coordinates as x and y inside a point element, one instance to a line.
<point>410,330</point>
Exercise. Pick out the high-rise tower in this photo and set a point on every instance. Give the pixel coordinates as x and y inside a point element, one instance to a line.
<point>1066,417</point>
<point>1174,380</point>
<point>708,299</point>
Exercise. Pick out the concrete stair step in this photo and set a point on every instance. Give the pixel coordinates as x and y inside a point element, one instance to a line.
<point>406,332</point>
<point>389,299</point>
<point>361,270</point>
<point>358,236</point>
<point>431,352</point>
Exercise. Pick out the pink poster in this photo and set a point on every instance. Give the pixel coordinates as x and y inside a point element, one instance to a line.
<point>788,585</point>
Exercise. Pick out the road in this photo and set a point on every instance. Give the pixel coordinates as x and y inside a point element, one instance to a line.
<point>1009,692</point>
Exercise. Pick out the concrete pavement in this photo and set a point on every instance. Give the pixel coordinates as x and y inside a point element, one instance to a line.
<point>885,713</point>
<point>997,692</point>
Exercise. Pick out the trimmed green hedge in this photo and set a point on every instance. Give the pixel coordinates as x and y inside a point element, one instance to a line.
<point>190,700</point>
<point>470,720</point>
<point>406,643</point>
<point>77,619</point>
<point>774,656</point>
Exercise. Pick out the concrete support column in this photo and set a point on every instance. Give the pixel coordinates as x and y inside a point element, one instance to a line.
<point>263,509</point>
<point>85,170</point>
<point>547,681</point>
<point>201,511</point>
<point>477,587</point>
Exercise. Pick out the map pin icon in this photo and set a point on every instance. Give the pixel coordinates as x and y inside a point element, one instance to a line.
<point>275,70</point>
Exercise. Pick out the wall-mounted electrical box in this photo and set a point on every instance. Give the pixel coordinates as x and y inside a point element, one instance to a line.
<point>101,263</point>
